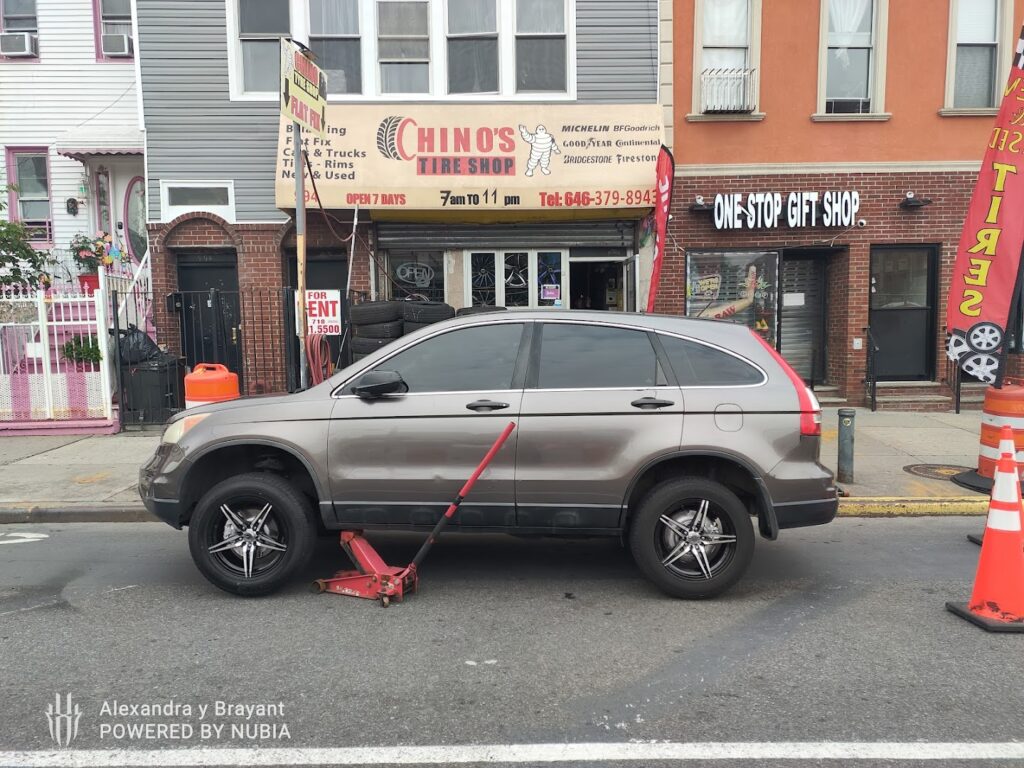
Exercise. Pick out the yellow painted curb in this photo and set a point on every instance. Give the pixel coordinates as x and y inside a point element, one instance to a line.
<point>914,506</point>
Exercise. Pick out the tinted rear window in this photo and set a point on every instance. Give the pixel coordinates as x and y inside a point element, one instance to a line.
<point>697,365</point>
<point>595,357</point>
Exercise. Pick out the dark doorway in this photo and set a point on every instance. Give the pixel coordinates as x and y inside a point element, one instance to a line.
<point>597,285</point>
<point>902,311</point>
<point>802,314</point>
<point>326,271</point>
<point>211,318</point>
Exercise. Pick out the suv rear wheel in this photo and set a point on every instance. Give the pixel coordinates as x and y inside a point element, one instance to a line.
<point>250,533</point>
<point>692,538</point>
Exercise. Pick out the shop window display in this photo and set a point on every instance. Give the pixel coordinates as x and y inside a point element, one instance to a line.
<point>739,286</point>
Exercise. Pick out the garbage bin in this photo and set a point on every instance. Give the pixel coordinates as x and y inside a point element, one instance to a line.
<point>153,390</point>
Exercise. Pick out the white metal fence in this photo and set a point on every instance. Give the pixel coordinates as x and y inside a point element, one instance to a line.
<point>48,367</point>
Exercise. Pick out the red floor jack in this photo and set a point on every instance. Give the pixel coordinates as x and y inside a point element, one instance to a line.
<point>375,579</point>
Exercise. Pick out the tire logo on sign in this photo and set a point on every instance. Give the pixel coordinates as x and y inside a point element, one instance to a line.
<point>387,137</point>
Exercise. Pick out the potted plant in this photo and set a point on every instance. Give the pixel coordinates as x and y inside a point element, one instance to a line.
<point>91,253</point>
<point>82,351</point>
<point>22,267</point>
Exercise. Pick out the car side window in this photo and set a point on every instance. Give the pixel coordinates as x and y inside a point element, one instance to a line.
<point>596,357</point>
<point>464,360</point>
<point>698,365</point>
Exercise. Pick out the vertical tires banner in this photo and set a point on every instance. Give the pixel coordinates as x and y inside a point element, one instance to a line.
<point>986,273</point>
<point>666,175</point>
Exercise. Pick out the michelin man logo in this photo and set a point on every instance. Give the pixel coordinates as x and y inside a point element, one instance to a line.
<point>542,144</point>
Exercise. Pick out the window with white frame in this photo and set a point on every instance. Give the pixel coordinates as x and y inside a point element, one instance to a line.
<point>411,49</point>
<point>28,171</point>
<point>261,25</point>
<point>403,46</point>
<point>850,56</point>
<point>541,50</point>
<point>115,17</point>
<point>726,75</point>
<point>179,197</point>
<point>976,55</point>
<point>334,40</point>
<point>19,16</point>
<point>473,46</point>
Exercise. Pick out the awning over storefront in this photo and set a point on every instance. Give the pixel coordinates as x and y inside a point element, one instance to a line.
<point>465,159</point>
<point>99,140</point>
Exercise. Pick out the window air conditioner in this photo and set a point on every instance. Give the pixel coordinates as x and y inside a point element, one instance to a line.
<point>117,45</point>
<point>19,44</point>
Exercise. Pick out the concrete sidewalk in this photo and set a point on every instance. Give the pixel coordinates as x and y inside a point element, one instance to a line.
<point>94,478</point>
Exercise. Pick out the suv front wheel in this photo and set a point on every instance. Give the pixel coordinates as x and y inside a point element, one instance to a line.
<point>692,538</point>
<point>250,533</point>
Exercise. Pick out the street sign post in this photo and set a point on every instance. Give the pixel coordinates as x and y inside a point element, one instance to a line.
<point>304,102</point>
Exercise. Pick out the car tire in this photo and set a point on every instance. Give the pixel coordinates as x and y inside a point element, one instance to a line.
<point>373,312</point>
<point>391,330</point>
<point>426,311</point>
<point>479,310</point>
<point>652,541</point>
<point>288,522</point>
<point>364,346</point>
<point>410,326</point>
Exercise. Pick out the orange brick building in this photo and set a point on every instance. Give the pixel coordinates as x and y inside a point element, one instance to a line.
<point>826,152</point>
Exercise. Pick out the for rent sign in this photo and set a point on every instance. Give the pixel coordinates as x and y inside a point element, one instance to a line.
<point>323,313</point>
<point>479,156</point>
<point>987,267</point>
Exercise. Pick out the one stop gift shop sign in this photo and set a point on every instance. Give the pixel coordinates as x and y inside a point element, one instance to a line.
<point>323,312</point>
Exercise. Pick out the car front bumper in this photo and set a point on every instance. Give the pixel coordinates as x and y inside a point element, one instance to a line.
<point>158,488</point>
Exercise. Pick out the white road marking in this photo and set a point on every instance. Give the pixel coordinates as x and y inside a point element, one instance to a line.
<point>118,589</point>
<point>31,608</point>
<point>22,538</point>
<point>524,753</point>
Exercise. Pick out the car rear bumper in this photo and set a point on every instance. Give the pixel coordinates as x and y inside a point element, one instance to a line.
<point>798,514</point>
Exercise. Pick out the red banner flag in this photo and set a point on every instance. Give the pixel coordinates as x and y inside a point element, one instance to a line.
<point>986,271</point>
<point>666,174</point>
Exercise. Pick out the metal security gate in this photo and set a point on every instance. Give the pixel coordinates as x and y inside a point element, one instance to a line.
<point>802,316</point>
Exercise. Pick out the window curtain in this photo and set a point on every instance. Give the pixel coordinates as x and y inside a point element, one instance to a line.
<point>726,23</point>
<point>849,26</point>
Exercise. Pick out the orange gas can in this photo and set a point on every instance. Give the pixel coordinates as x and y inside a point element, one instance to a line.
<point>210,383</point>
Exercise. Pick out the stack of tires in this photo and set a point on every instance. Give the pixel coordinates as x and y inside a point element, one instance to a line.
<point>376,324</point>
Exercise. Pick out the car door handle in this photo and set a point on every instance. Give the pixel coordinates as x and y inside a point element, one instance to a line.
<point>486,405</point>
<point>651,403</point>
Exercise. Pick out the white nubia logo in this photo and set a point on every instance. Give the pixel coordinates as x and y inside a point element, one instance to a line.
<point>63,720</point>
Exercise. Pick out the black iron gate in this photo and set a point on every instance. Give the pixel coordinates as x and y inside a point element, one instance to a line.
<point>250,332</point>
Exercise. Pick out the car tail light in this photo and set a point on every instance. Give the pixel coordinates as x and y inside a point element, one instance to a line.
<point>810,409</point>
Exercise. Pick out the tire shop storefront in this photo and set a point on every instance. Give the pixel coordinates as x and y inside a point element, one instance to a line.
<point>811,261</point>
<point>517,205</point>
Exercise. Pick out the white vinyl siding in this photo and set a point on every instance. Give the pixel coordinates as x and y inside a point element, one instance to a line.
<point>66,88</point>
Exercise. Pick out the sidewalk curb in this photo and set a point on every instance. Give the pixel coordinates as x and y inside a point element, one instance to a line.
<point>912,506</point>
<point>99,513</point>
<point>863,506</point>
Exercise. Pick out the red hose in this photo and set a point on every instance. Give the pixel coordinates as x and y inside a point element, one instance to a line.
<point>318,356</point>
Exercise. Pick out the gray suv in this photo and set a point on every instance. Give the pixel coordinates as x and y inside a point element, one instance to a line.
<point>674,434</point>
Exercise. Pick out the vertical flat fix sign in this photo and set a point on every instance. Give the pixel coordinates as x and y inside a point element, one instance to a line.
<point>986,274</point>
<point>665,178</point>
<point>303,89</point>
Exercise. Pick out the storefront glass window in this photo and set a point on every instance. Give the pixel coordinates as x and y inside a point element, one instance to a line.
<point>517,279</point>
<point>417,273</point>
<point>549,279</point>
<point>741,287</point>
<point>483,283</point>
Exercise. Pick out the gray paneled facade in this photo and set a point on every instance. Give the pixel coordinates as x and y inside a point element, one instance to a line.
<point>194,130</point>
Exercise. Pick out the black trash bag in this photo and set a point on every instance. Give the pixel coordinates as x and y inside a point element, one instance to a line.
<point>136,346</point>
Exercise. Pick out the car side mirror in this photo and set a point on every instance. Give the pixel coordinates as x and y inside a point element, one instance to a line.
<point>380,383</point>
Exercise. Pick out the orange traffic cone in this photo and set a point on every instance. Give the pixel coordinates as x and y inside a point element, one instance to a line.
<point>1006,445</point>
<point>997,603</point>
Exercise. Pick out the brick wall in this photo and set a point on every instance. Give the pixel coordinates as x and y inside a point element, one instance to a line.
<point>848,268</point>
<point>260,251</point>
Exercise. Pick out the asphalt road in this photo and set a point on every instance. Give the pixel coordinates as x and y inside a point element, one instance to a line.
<point>837,634</point>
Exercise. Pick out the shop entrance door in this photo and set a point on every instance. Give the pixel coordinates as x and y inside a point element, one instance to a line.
<point>802,320</point>
<point>902,312</point>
